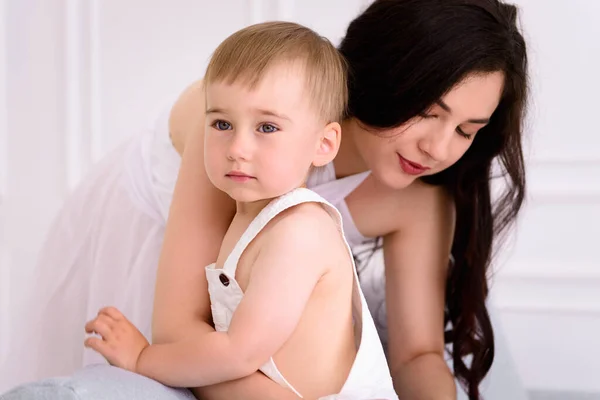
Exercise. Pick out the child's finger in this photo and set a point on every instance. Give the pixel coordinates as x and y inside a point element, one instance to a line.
<point>111,312</point>
<point>89,326</point>
<point>100,327</point>
<point>97,344</point>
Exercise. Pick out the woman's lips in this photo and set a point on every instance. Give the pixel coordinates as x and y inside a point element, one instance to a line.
<point>410,167</point>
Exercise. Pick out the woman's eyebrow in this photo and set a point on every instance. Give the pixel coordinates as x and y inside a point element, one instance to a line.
<point>445,107</point>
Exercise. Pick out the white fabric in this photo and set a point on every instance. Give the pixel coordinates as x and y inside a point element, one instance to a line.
<point>103,249</point>
<point>371,275</point>
<point>369,377</point>
<point>323,181</point>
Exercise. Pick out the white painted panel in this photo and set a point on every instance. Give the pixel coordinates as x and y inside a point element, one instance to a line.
<point>329,18</point>
<point>35,159</point>
<point>4,264</point>
<point>553,325</point>
<point>3,113</point>
<point>548,282</point>
<point>268,10</point>
<point>561,180</point>
<point>547,289</point>
<point>32,140</point>
<point>560,234</point>
<point>77,131</point>
<point>565,60</point>
<point>556,350</point>
<point>149,50</point>
<point>557,292</point>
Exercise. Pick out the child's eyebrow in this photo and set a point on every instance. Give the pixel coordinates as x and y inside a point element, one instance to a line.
<point>214,111</point>
<point>273,114</point>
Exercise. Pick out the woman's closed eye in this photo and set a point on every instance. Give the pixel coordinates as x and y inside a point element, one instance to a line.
<point>462,133</point>
<point>267,128</point>
<point>221,125</point>
<point>459,130</point>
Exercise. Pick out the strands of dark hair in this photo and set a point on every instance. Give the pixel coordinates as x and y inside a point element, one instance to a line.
<point>404,55</point>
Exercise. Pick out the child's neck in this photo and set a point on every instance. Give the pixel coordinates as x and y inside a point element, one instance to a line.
<point>249,210</point>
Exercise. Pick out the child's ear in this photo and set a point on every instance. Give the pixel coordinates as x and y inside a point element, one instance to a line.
<point>328,144</point>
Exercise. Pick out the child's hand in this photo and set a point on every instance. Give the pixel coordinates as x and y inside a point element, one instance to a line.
<point>121,343</point>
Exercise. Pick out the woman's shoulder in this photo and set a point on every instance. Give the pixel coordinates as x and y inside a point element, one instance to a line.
<point>420,202</point>
<point>186,115</point>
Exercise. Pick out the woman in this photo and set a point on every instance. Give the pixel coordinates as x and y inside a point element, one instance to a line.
<point>437,94</point>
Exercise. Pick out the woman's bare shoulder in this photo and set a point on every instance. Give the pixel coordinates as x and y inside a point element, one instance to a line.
<point>187,115</point>
<point>421,201</point>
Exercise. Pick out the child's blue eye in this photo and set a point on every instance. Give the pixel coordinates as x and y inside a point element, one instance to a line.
<point>222,125</point>
<point>267,128</point>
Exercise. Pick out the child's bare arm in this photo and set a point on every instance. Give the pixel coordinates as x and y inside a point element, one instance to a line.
<point>282,280</point>
<point>255,386</point>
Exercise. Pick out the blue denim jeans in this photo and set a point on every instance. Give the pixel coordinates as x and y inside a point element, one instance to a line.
<point>97,382</point>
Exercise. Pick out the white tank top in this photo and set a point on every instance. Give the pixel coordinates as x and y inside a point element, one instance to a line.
<point>369,377</point>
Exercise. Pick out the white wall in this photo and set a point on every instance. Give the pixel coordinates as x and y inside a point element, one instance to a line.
<point>548,290</point>
<point>78,76</point>
<point>4,262</point>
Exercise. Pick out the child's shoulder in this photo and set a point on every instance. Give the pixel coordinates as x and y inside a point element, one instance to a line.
<point>305,234</point>
<point>311,224</point>
<point>306,217</point>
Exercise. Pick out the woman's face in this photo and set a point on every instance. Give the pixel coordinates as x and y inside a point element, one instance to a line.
<point>430,143</point>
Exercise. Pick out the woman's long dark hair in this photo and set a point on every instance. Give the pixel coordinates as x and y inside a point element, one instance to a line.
<point>404,55</point>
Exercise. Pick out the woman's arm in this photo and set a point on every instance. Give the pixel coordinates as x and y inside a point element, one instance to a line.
<point>416,262</point>
<point>198,220</point>
<point>187,115</point>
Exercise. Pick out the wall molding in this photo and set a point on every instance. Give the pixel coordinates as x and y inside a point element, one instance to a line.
<point>560,287</point>
<point>559,181</point>
<point>260,10</point>
<point>96,130</point>
<point>561,160</point>
<point>75,150</point>
<point>3,105</point>
<point>285,10</point>
<point>254,11</point>
<point>5,314</point>
<point>564,180</point>
<point>83,139</point>
<point>546,288</point>
<point>265,10</point>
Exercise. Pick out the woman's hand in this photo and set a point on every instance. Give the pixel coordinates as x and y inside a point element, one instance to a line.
<point>120,342</point>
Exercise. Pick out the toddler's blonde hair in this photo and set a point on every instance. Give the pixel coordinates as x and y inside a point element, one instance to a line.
<point>247,54</point>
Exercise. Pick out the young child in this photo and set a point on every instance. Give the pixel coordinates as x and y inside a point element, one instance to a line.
<point>284,293</point>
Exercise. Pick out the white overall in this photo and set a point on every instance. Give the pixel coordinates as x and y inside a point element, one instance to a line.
<point>369,377</point>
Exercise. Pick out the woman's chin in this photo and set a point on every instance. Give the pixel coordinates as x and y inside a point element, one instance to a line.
<point>396,180</point>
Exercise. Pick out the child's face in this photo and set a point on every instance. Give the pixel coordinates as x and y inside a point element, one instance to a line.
<point>260,143</point>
